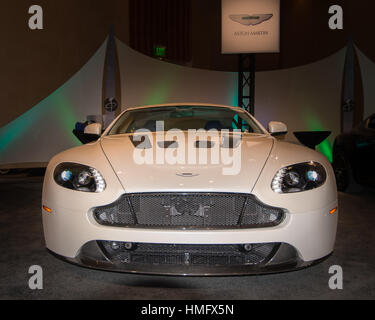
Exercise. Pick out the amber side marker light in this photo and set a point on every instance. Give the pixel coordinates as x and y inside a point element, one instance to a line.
<point>333,211</point>
<point>45,208</point>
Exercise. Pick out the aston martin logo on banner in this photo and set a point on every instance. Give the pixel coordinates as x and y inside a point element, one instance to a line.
<point>253,20</point>
<point>250,26</point>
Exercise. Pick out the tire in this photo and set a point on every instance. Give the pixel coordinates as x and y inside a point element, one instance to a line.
<point>343,172</point>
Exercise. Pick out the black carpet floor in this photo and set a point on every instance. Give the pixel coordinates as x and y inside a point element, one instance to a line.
<point>21,246</point>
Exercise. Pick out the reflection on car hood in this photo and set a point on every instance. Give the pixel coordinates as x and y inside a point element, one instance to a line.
<point>246,157</point>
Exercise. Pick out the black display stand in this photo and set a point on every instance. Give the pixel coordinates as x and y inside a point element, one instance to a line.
<point>311,139</point>
<point>246,82</point>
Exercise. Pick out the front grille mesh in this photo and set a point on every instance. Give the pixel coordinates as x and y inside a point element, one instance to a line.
<point>196,255</point>
<point>188,210</point>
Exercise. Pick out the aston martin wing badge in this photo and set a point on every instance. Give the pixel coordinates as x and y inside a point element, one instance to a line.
<point>250,20</point>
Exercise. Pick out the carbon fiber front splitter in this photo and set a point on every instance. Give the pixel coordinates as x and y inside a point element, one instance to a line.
<point>285,259</point>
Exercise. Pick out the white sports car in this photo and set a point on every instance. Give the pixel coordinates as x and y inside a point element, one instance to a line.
<point>190,189</point>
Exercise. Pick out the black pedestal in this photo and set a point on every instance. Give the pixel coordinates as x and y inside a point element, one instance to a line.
<point>312,138</point>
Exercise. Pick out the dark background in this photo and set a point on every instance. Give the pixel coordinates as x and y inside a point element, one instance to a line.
<point>35,63</point>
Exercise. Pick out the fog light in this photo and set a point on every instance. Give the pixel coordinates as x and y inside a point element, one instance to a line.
<point>115,245</point>
<point>248,247</point>
<point>129,246</point>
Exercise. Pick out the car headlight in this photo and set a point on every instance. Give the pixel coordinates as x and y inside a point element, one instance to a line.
<point>299,177</point>
<point>79,177</point>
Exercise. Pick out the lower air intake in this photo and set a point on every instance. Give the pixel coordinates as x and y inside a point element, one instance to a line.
<point>193,255</point>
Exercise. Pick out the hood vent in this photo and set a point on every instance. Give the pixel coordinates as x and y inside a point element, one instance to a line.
<point>204,144</point>
<point>168,144</point>
<point>144,143</point>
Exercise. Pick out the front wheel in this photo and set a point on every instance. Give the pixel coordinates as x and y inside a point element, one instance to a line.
<point>343,172</point>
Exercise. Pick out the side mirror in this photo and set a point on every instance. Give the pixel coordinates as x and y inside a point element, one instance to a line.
<point>277,128</point>
<point>92,132</point>
<point>94,128</point>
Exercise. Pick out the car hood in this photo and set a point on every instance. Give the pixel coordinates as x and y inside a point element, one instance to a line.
<point>246,157</point>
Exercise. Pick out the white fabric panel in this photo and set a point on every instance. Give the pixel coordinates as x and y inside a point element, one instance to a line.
<point>147,81</point>
<point>306,98</point>
<point>46,129</point>
<point>368,80</point>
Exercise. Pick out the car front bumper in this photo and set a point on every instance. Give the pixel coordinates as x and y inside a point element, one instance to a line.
<point>305,239</point>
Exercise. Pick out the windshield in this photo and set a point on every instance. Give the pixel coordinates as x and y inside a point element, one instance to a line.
<point>184,118</point>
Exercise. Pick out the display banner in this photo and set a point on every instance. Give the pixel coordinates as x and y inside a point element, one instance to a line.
<point>250,26</point>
